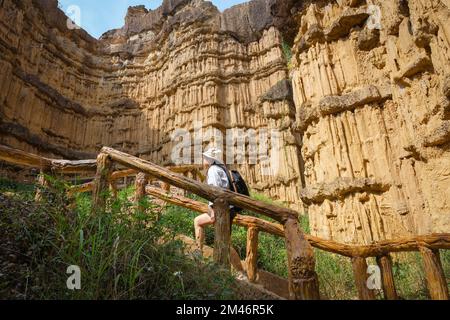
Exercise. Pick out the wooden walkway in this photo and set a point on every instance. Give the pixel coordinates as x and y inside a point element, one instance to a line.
<point>303,280</point>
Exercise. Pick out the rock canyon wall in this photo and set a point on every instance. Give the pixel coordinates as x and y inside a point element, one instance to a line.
<point>371,89</point>
<point>66,94</point>
<point>364,126</point>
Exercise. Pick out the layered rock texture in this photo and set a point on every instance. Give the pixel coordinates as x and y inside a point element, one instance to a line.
<point>364,127</point>
<point>182,65</point>
<point>371,83</point>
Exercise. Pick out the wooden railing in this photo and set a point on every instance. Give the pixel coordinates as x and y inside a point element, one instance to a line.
<point>303,283</point>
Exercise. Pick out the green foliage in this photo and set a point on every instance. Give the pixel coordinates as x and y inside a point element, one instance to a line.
<point>335,276</point>
<point>21,190</point>
<point>123,254</point>
<point>409,276</point>
<point>287,51</point>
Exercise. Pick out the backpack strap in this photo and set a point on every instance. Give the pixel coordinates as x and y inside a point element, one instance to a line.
<point>229,176</point>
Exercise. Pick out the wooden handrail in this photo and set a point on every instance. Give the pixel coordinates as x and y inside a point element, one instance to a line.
<point>303,282</point>
<point>26,159</point>
<point>205,191</point>
<point>433,241</point>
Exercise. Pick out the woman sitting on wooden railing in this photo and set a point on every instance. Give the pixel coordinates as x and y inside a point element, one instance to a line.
<point>216,177</point>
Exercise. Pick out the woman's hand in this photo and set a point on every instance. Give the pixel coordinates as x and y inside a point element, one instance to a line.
<point>213,217</point>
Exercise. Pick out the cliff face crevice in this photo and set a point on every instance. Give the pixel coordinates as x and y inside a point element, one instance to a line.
<point>362,111</point>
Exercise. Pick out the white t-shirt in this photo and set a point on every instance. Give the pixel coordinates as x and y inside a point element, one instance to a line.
<point>218,178</point>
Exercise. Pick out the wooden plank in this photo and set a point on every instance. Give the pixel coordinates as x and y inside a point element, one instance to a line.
<point>387,277</point>
<point>222,227</point>
<point>208,192</point>
<point>435,241</point>
<point>122,174</point>
<point>251,260</point>
<point>360,273</point>
<point>67,167</point>
<point>436,282</point>
<point>303,281</point>
<point>101,183</point>
<point>82,188</point>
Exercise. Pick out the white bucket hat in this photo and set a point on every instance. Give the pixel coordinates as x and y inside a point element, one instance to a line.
<point>213,155</point>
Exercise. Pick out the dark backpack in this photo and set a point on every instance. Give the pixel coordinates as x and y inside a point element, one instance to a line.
<point>237,184</point>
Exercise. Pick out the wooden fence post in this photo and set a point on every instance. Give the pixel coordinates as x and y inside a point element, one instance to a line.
<point>360,272</point>
<point>140,184</point>
<point>387,277</point>
<point>303,281</point>
<point>222,239</point>
<point>113,188</point>
<point>436,282</point>
<point>251,260</point>
<point>42,186</point>
<point>101,182</point>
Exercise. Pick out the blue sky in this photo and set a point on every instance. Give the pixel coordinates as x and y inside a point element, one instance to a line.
<point>99,16</point>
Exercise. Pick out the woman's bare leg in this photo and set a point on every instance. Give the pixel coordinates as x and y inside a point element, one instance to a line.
<point>200,223</point>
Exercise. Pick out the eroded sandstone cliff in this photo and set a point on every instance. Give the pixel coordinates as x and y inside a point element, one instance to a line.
<point>371,91</point>
<point>67,94</point>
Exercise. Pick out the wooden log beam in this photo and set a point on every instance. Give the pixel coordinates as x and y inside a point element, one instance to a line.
<point>82,188</point>
<point>22,158</point>
<point>68,167</point>
<point>436,282</point>
<point>222,227</point>
<point>176,199</point>
<point>262,225</point>
<point>208,192</point>
<point>101,183</point>
<point>360,273</point>
<point>185,168</point>
<point>303,281</point>
<point>26,159</point>
<point>251,260</point>
<point>387,277</point>
<point>123,174</point>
